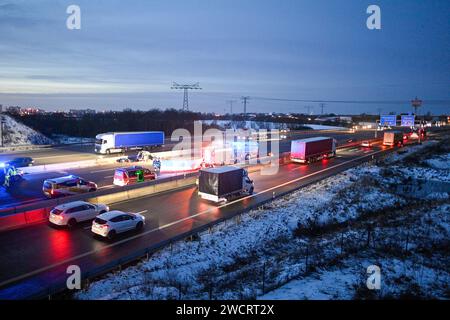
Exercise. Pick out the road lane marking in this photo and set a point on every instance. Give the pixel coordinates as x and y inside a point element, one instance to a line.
<point>142,212</point>
<point>103,170</point>
<point>37,271</point>
<point>105,187</point>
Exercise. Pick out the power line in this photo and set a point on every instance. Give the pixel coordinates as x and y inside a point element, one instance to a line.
<point>245,101</point>
<point>185,88</point>
<point>348,101</point>
<point>322,106</point>
<point>308,109</point>
<point>230,102</point>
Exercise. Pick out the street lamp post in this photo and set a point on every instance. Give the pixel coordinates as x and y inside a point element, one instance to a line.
<point>416,103</point>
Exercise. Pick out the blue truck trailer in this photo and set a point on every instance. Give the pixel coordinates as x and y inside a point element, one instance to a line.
<point>113,142</point>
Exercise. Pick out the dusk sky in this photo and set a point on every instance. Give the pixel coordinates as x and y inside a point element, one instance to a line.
<point>128,53</point>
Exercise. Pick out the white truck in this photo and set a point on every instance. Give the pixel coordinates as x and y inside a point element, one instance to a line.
<point>230,152</point>
<point>224,183</point>
<point>111,142</point>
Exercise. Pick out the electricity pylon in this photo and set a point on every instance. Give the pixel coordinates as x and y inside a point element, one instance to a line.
<point>185,88</point>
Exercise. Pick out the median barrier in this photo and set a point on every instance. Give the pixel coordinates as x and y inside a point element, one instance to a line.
<point>109,160</point>
<point>12,218</point>
<point>16,217</point>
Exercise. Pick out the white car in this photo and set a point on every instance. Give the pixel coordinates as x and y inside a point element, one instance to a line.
<point>111,223</point>
<point>366,144</point>
<point>69,214</point>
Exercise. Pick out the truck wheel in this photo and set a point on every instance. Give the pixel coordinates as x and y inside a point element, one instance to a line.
<point>108,151</point>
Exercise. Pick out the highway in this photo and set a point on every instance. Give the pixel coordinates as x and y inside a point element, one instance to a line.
<point>30,189</point>
<point>36,257</point>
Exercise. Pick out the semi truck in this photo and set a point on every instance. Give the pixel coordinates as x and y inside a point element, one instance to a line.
<point>234,152</point>
<point>393,138</point>
<point>224,183</point>
<point>113,142</point>
<point>312,149</point>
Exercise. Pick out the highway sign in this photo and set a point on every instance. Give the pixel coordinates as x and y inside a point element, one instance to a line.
<point>407,121</point>
<point>389,120</point>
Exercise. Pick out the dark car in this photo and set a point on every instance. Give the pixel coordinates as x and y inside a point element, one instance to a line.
<point>21,162</point>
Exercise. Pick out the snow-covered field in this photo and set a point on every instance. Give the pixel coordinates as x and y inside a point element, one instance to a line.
<point>257,125</point>
<point>315,243</point>
<point>16,134</point>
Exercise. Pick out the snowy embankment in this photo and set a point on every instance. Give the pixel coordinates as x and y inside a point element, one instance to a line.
<point>258,125</point>
<point>322,236</point>
<point>17,134</point>
<point>63,139</point>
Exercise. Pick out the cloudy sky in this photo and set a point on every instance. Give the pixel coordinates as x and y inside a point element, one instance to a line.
<point>128,53</point>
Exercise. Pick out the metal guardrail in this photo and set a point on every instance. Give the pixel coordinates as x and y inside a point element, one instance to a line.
<point>54,202</point>
<point>29,147</point>
<point>84,196</point>
<point>57,201</point>
<point>51,291</point>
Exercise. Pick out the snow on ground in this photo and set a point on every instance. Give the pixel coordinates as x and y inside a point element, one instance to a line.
<point>440,162</point>
<point>405,273</point>
<point>16,133</point>
<point>324,285</point>
<point>406,152</point>
<point>323,127</point>
<point>257,125</point>
<point>281,241</point>
<point>434,167</point>
<point>63,139</point>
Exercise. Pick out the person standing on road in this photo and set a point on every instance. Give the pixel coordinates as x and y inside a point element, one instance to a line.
<point>10,172</point>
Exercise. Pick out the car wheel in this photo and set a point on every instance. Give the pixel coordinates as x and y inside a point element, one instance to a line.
<point>71,223</point>
<point>102,212</point>
<point>111,235</point>
<point>139,226</point>
<point>92,190</point>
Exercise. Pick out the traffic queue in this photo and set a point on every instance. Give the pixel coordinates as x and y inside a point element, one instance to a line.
<point>215,183</point>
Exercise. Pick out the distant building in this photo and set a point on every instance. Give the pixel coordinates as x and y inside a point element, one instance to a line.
<point>345,119</point>
<point>368,125</point>
<point>335,119</point>
<point>31,111</point>
<point>81,112</point>
<point>13,109</point>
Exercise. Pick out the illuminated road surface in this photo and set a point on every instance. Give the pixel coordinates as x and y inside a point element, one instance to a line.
<point>30,189</point>
<point>34,257</point>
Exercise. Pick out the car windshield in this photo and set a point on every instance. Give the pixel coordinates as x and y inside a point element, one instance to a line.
<point>57,211</point>
<point>100,221</point>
